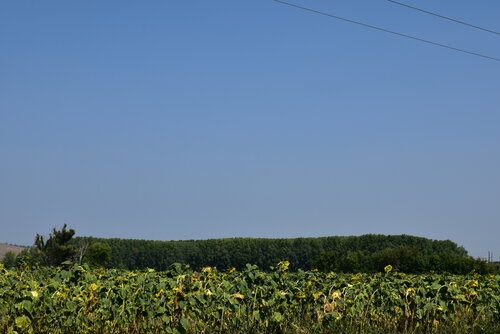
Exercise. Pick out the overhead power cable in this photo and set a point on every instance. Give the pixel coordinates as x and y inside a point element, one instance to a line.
<point>386,30</point>
<point>444,17</point>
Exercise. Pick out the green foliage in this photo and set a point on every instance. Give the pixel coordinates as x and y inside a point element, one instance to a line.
<point>77,299</point>
<point>98,254</point>
<point>29,256</point>
<point>366,253</point>
<point>9,260</point>
<point>404,259</point>
<point>355,262</point>
<point>53,251</point>
<point>327,261</point>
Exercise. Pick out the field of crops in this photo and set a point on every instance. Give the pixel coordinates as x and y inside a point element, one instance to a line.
<point>77,299</point>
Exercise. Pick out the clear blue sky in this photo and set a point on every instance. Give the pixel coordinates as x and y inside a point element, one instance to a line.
<point>205,119</point>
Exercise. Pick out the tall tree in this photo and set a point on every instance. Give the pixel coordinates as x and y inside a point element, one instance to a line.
<point>98,254</point>
<point>56,249</point>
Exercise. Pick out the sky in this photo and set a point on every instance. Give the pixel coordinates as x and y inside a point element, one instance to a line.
<point>173,120</point>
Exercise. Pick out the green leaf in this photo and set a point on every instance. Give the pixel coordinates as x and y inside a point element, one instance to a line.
<point>23,322</point>
<point>185,324</point>
<point>278,317</point>
<point>11,331</point>
<point>27,305</point>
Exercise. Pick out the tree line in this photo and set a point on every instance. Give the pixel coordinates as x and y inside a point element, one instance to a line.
<point>59,248</point>
<point>366,253</point>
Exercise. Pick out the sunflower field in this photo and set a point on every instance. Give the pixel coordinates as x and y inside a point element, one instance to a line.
<point>77,299</point>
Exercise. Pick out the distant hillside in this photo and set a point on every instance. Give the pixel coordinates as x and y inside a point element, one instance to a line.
<point>4,248</point>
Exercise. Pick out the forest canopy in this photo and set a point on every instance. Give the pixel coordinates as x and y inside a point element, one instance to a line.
<point>366,253</point>
<point>348,254</point>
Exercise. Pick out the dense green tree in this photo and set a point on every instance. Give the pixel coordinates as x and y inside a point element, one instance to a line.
<point>98,254</point>
<point>327,261</point>
<point>402,258</point>
<point>57,248</point>
<point>358,261</point>
<point>367,253</point>
<point>9,260</point>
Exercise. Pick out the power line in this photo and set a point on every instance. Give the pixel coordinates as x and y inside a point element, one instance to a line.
<point>444,17</point>
<point>386,30</point>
